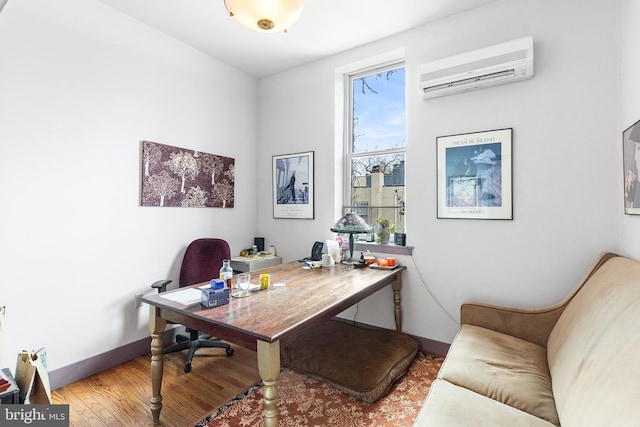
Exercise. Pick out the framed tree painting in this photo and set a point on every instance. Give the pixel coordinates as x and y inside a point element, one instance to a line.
<point>293,186</point>
<point>174,176</point>
<point>474,175</point>
<point>631,161</point>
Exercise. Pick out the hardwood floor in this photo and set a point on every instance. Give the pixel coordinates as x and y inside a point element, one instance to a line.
<point>120,396</point>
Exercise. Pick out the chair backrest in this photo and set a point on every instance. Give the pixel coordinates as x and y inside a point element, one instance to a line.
<point>202,260</point>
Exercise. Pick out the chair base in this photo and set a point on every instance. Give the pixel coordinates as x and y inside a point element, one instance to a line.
<point>192,343</point>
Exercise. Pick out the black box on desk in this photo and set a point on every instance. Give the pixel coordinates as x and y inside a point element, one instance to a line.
<point>214,297</point>
<point>10,395</point>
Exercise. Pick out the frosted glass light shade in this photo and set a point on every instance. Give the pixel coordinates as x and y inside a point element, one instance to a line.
<point>265,15</point>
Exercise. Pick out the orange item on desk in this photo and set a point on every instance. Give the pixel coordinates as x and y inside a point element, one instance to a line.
<point>382,262</point>
<point>391,262</point>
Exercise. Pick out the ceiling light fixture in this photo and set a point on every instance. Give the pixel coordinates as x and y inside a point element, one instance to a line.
<point>265,15</point>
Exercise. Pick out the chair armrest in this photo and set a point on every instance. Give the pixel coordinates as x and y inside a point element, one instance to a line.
<point>533,325</point>
<point>161,285</point>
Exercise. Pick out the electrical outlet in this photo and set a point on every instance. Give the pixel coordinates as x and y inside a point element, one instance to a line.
<point>138,299</point>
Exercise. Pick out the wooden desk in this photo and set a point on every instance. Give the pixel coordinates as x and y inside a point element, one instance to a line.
<point>260,321</point>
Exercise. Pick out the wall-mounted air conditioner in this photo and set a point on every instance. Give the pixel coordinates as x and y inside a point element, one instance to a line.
<point>490,66</point>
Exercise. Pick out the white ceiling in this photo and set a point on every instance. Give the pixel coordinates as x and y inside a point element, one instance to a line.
<point>325,28</point>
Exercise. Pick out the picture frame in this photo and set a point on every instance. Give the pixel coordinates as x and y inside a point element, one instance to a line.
<point>293,185</point>
<point>631,162</point>
<point>179,177</point>
<point>474,175</point>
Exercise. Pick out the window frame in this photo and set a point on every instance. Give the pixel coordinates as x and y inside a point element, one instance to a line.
<point>349,155</point>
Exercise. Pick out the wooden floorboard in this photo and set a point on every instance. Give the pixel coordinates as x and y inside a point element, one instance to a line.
<point>120,396</point>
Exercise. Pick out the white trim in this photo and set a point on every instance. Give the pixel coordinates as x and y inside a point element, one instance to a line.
<point>342,74</point>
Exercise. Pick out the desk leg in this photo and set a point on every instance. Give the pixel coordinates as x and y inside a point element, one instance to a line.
<point>397,307</point>
<point>156,326</point>
<point>269,367</point>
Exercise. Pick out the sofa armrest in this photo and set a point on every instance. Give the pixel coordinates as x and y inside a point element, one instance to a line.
<point>533,325</point>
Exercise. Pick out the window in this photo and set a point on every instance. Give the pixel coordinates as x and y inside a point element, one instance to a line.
<point>375,145</point>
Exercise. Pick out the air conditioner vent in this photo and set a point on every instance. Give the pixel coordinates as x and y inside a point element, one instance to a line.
<point>499,64</point>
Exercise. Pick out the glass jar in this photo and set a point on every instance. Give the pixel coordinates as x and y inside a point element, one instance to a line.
<point>226,272</point>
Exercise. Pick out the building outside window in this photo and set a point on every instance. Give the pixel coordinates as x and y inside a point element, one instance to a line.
<point>375,146</point>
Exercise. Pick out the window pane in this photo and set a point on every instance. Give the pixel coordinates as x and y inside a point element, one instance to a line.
<point>377,188</point>
<point>379,111</point>
<point>375,147</point>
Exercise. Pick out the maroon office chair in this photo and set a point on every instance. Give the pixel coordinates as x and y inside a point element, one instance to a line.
<point>201,263</point>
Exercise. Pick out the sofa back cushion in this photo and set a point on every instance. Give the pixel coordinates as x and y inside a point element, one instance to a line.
<point>594,350</point>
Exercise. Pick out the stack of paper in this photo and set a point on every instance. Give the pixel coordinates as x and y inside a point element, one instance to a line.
<point>186,297</point>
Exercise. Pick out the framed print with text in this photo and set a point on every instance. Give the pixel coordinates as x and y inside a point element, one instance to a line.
<point>631,161</point>
<point>293,186</point>
<point>474,175</point>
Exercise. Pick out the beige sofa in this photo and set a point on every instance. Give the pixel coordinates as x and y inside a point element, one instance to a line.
<point>574,364</point>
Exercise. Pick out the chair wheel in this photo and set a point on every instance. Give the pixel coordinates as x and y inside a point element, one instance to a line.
<point>187,368</point>
<point>229,351</point>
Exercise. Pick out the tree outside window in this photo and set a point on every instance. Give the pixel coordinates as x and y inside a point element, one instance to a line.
<point>376,144</point>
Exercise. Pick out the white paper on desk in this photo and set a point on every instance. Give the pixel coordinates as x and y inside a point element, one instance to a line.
<point>188,296</point>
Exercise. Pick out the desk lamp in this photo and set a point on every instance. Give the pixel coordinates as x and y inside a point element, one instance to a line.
<point>351,223</point>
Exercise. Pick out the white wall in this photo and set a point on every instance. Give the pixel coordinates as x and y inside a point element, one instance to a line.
<point>565,160</point>
<point>629,34</point>
<point>80,86</point>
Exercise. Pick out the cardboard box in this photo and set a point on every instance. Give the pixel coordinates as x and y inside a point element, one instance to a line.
<point>9,392</point>
<point>214,297</point>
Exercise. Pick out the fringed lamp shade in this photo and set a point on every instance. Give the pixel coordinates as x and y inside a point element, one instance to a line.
<point>351,223</point>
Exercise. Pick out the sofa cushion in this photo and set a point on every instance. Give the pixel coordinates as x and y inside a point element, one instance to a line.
<point>363,363</point>
<point>594,350</point>
<point>504,368</point>
<point>454,406</point>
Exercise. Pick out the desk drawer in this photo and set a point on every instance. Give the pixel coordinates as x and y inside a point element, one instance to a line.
<point>244,264</point>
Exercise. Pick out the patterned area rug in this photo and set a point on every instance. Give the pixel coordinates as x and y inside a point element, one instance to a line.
<point>304,401</point>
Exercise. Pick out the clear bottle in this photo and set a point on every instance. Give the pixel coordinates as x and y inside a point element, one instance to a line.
<point>226,272</point>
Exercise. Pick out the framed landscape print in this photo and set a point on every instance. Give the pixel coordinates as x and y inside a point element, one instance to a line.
<point>474,175</point>
<point>293,187</point>
<point>631,161</point>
